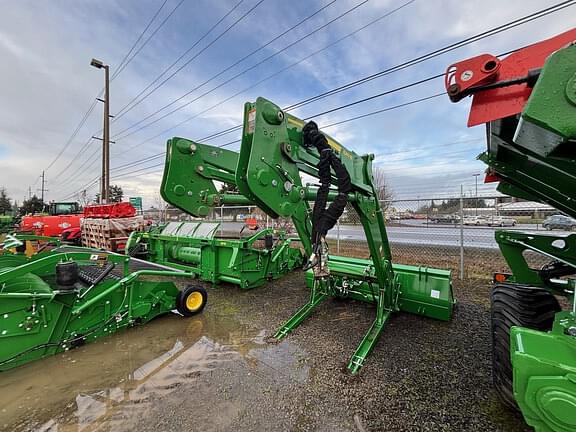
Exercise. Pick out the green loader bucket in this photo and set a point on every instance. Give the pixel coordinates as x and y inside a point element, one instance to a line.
<point>421,290</point>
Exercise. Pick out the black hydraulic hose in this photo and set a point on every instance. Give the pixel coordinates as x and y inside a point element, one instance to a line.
<point>323,219</point>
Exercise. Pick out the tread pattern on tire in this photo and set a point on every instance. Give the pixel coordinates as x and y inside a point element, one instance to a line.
<point>515,305</point>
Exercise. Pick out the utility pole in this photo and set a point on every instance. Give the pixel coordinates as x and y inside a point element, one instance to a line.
<point>105,179</point>
<point>476,178</point>
<point>43,187</point>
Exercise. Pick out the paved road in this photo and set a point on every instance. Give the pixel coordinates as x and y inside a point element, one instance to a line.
<point>420,233</point>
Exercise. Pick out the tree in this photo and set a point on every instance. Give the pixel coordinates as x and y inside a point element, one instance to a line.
<point>383,189</point>
<point>115,194</point>
<point>32,205</point>
<point>5,204</point>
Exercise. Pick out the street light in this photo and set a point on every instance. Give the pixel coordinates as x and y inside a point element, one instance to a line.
<point>476,178</point>
<point>105,183</point>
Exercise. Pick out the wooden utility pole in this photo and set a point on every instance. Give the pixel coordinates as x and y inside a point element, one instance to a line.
<point>43,188</point>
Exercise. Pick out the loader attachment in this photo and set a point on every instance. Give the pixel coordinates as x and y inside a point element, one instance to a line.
<point>267,171</point>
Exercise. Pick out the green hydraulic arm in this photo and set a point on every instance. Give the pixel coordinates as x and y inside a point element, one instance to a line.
<point>268,173</point>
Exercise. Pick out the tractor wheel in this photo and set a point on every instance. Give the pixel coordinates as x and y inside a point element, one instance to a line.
<point>522,306</point>
<point>191,300</point>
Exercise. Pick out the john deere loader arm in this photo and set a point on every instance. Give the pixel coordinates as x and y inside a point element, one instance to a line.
<point>276,150</point>
<point>528,103</point>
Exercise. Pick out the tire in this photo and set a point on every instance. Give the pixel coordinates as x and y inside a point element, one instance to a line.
<point>191,300</point>
<point>522,306</point>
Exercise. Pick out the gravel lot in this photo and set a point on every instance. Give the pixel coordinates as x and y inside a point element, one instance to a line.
<point>423,374</point>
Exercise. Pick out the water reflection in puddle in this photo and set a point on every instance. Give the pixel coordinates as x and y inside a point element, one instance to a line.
<point>96,386</point>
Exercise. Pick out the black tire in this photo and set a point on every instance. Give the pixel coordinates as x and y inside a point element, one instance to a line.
<point>515,305</point>
<point>191,300</point>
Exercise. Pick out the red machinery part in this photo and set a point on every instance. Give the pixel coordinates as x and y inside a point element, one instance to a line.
<point>497,103</point>
<point>110,211</point>
<point>51,226</point>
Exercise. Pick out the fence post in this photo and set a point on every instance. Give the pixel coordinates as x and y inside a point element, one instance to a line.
<point>221,219</point>
<point>338,237</point>
<point>461,232</point>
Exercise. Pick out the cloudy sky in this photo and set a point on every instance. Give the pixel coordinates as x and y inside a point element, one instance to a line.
<point>47,84</point>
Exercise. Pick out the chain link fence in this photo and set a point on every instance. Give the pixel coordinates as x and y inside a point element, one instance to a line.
<point>456,233</point>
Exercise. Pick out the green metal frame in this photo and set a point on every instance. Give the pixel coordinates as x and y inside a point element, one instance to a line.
<point>267,173</point>
<point>40,319</point>
<point>535,158</point>
<point>196,248</point>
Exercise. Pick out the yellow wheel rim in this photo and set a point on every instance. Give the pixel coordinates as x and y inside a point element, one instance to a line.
<point>194,301</point>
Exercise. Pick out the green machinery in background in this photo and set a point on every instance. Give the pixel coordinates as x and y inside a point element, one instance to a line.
<point>267,172</point>
<point>7,223</point>
<point>242,257</point>
<point>56,300</point>
<point>528,102</point>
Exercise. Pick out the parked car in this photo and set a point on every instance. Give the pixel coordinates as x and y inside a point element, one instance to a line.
<point>501,221</point>
<point>560,222</point>
<point>445,219</point>
<point>475,220</point>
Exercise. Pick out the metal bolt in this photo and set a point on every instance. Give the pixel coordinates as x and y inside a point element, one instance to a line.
<point>571,331</point>
<point>192,147</point>
<point>4,332</point>
<point>5,315</point>
<point>274,182</point>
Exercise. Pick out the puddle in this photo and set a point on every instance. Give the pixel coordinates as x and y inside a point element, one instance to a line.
<point>108,384</point>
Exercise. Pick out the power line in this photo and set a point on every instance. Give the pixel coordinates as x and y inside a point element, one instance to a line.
<point>118,70</point>
<point>357,117</point>
<point>93,104</point>
<point>126,108</point>
<point>369,114</point>
<point>253,67</point>
<point>517,22</point>
<point>123,66</point>
<point>230,27</point>
<point>417,60</point>
<point>464,42</point>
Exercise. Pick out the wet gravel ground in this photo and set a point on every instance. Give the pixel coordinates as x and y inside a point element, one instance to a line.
<point>423,375</point>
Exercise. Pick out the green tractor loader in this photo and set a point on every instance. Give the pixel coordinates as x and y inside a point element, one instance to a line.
<point>275,151</point>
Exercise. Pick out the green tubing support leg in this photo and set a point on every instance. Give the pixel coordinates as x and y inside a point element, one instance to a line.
<point>373,334</point>
<point>367,344</point>
<point>304,312</point>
